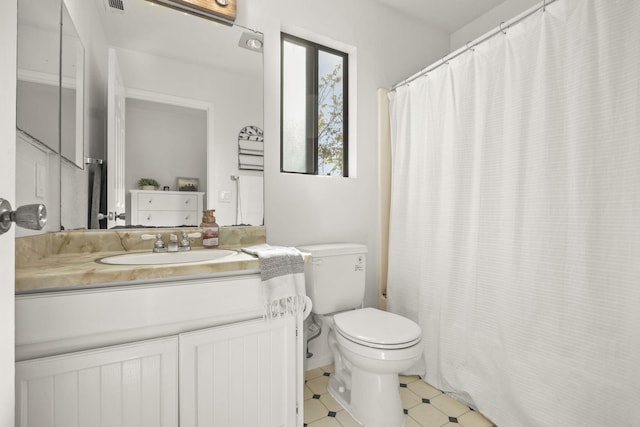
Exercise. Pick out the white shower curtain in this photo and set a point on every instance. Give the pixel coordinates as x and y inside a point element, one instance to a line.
<point>515,218</point>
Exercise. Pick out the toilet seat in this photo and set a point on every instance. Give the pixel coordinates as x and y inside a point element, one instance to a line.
<point>379,329</point>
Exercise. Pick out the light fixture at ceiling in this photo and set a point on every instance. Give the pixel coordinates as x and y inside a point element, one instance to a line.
<point>223,11</point>
<point>252,41</point>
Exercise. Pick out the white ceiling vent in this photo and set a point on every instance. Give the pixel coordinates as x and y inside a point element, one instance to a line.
<point>116,6</point>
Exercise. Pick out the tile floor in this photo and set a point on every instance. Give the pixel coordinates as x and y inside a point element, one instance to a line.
<point>424,406</point>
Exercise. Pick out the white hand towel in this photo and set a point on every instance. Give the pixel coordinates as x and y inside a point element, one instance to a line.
<point>282,274</point>
<point>250,200</point>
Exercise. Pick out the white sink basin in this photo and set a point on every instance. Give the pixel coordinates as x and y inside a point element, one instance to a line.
<point>151,258</point>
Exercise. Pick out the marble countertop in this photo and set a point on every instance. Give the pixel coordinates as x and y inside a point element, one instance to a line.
<point>74,271</point>
<point>70,260</point>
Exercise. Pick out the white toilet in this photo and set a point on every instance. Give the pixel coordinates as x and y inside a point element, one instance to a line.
<point>370,347</point>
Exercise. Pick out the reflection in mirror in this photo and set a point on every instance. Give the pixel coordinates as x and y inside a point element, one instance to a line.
<point>38,71</point>
<point>176,66</point>
<point>182,134</point>
<point>71,92</point>
<point>37,109</point>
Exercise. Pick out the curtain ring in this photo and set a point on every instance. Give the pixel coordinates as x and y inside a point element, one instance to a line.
<point>472,49</point>
<point>503,31</point>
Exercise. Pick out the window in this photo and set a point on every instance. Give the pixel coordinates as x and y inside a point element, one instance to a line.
<point>314,101</point>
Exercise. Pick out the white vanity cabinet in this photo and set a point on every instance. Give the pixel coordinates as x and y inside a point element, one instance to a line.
<point>140,354</point>
<point>166,208</point>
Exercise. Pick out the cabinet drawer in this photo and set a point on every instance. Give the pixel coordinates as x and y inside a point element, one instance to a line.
<point>167,218</point>
<point>167,202</point>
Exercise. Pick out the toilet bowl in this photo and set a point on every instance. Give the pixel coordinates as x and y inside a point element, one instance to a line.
<point>371,347</point>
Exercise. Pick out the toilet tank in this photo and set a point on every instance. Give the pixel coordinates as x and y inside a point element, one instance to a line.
<point>335,279</point>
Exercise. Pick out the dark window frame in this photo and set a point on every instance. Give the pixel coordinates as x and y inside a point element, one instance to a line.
<point>312,60</point>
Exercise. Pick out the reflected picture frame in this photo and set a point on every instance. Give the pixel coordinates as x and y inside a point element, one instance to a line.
<point>188,184</point>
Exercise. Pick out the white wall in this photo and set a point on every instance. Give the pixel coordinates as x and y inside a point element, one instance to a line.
<point>38,172</point>
<point>317,209</point>
<point>74,190</point>
<point>164,142</point>
<point>489,21</point>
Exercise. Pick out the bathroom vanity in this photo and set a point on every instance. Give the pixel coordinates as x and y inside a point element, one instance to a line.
<point>187,349</point>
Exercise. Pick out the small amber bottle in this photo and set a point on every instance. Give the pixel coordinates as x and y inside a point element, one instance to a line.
<point>210,230</point>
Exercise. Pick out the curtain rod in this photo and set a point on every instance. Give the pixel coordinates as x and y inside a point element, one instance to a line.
<point>502,28</point>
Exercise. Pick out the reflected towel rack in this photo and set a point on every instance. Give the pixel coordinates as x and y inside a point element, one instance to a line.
<point>251,149</point>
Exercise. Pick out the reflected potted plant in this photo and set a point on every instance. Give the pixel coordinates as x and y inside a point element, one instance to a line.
<point>148,184</point>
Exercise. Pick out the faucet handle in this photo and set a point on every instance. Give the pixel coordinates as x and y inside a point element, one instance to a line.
<point>158,245</point>
<point>185,244</point>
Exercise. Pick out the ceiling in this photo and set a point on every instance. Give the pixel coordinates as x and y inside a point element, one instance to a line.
<point>447,15</point>
<point>158,30</point>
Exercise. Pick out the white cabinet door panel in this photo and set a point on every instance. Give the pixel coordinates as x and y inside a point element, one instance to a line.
<point>241,375</point>
<point>119,386</point>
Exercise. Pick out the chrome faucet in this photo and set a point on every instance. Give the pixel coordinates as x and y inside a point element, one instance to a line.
<point>173,243</point>
<point>185,244</point>
<point>158,245</point>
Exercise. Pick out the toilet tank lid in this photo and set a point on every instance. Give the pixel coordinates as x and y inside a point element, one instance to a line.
<point>333,249</point>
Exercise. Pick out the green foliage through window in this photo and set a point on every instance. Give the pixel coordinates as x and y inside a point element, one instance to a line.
<point>314,109</point>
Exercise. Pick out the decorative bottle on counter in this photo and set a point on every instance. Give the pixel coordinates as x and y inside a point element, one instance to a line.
<point>210,230</point>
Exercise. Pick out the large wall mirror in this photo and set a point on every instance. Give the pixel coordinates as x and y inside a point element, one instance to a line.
<point>38,100</point>
<point>175,88</point>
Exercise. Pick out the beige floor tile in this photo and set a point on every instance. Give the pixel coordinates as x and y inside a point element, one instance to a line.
<point>410,422</point>
<point>313,373</point>
<point>434,414</point>
<point>423,389</point>
<point>314,410</point>
<point>318,385</point>
<point>325,422</point>
<point>347,420</point>
<point>307,393</point>
<point>474,419</point>
<point>331,404</point>
<point>329,368</point>
<point>409,398</point>
<point>449,406</point>
<point>428,416</point>
<point>406,379</point>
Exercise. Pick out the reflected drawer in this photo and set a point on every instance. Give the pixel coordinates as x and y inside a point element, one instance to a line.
<point>166,218</point>
<point>167,202</point>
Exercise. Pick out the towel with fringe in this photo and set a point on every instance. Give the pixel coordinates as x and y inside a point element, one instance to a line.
<point>282,274</point>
